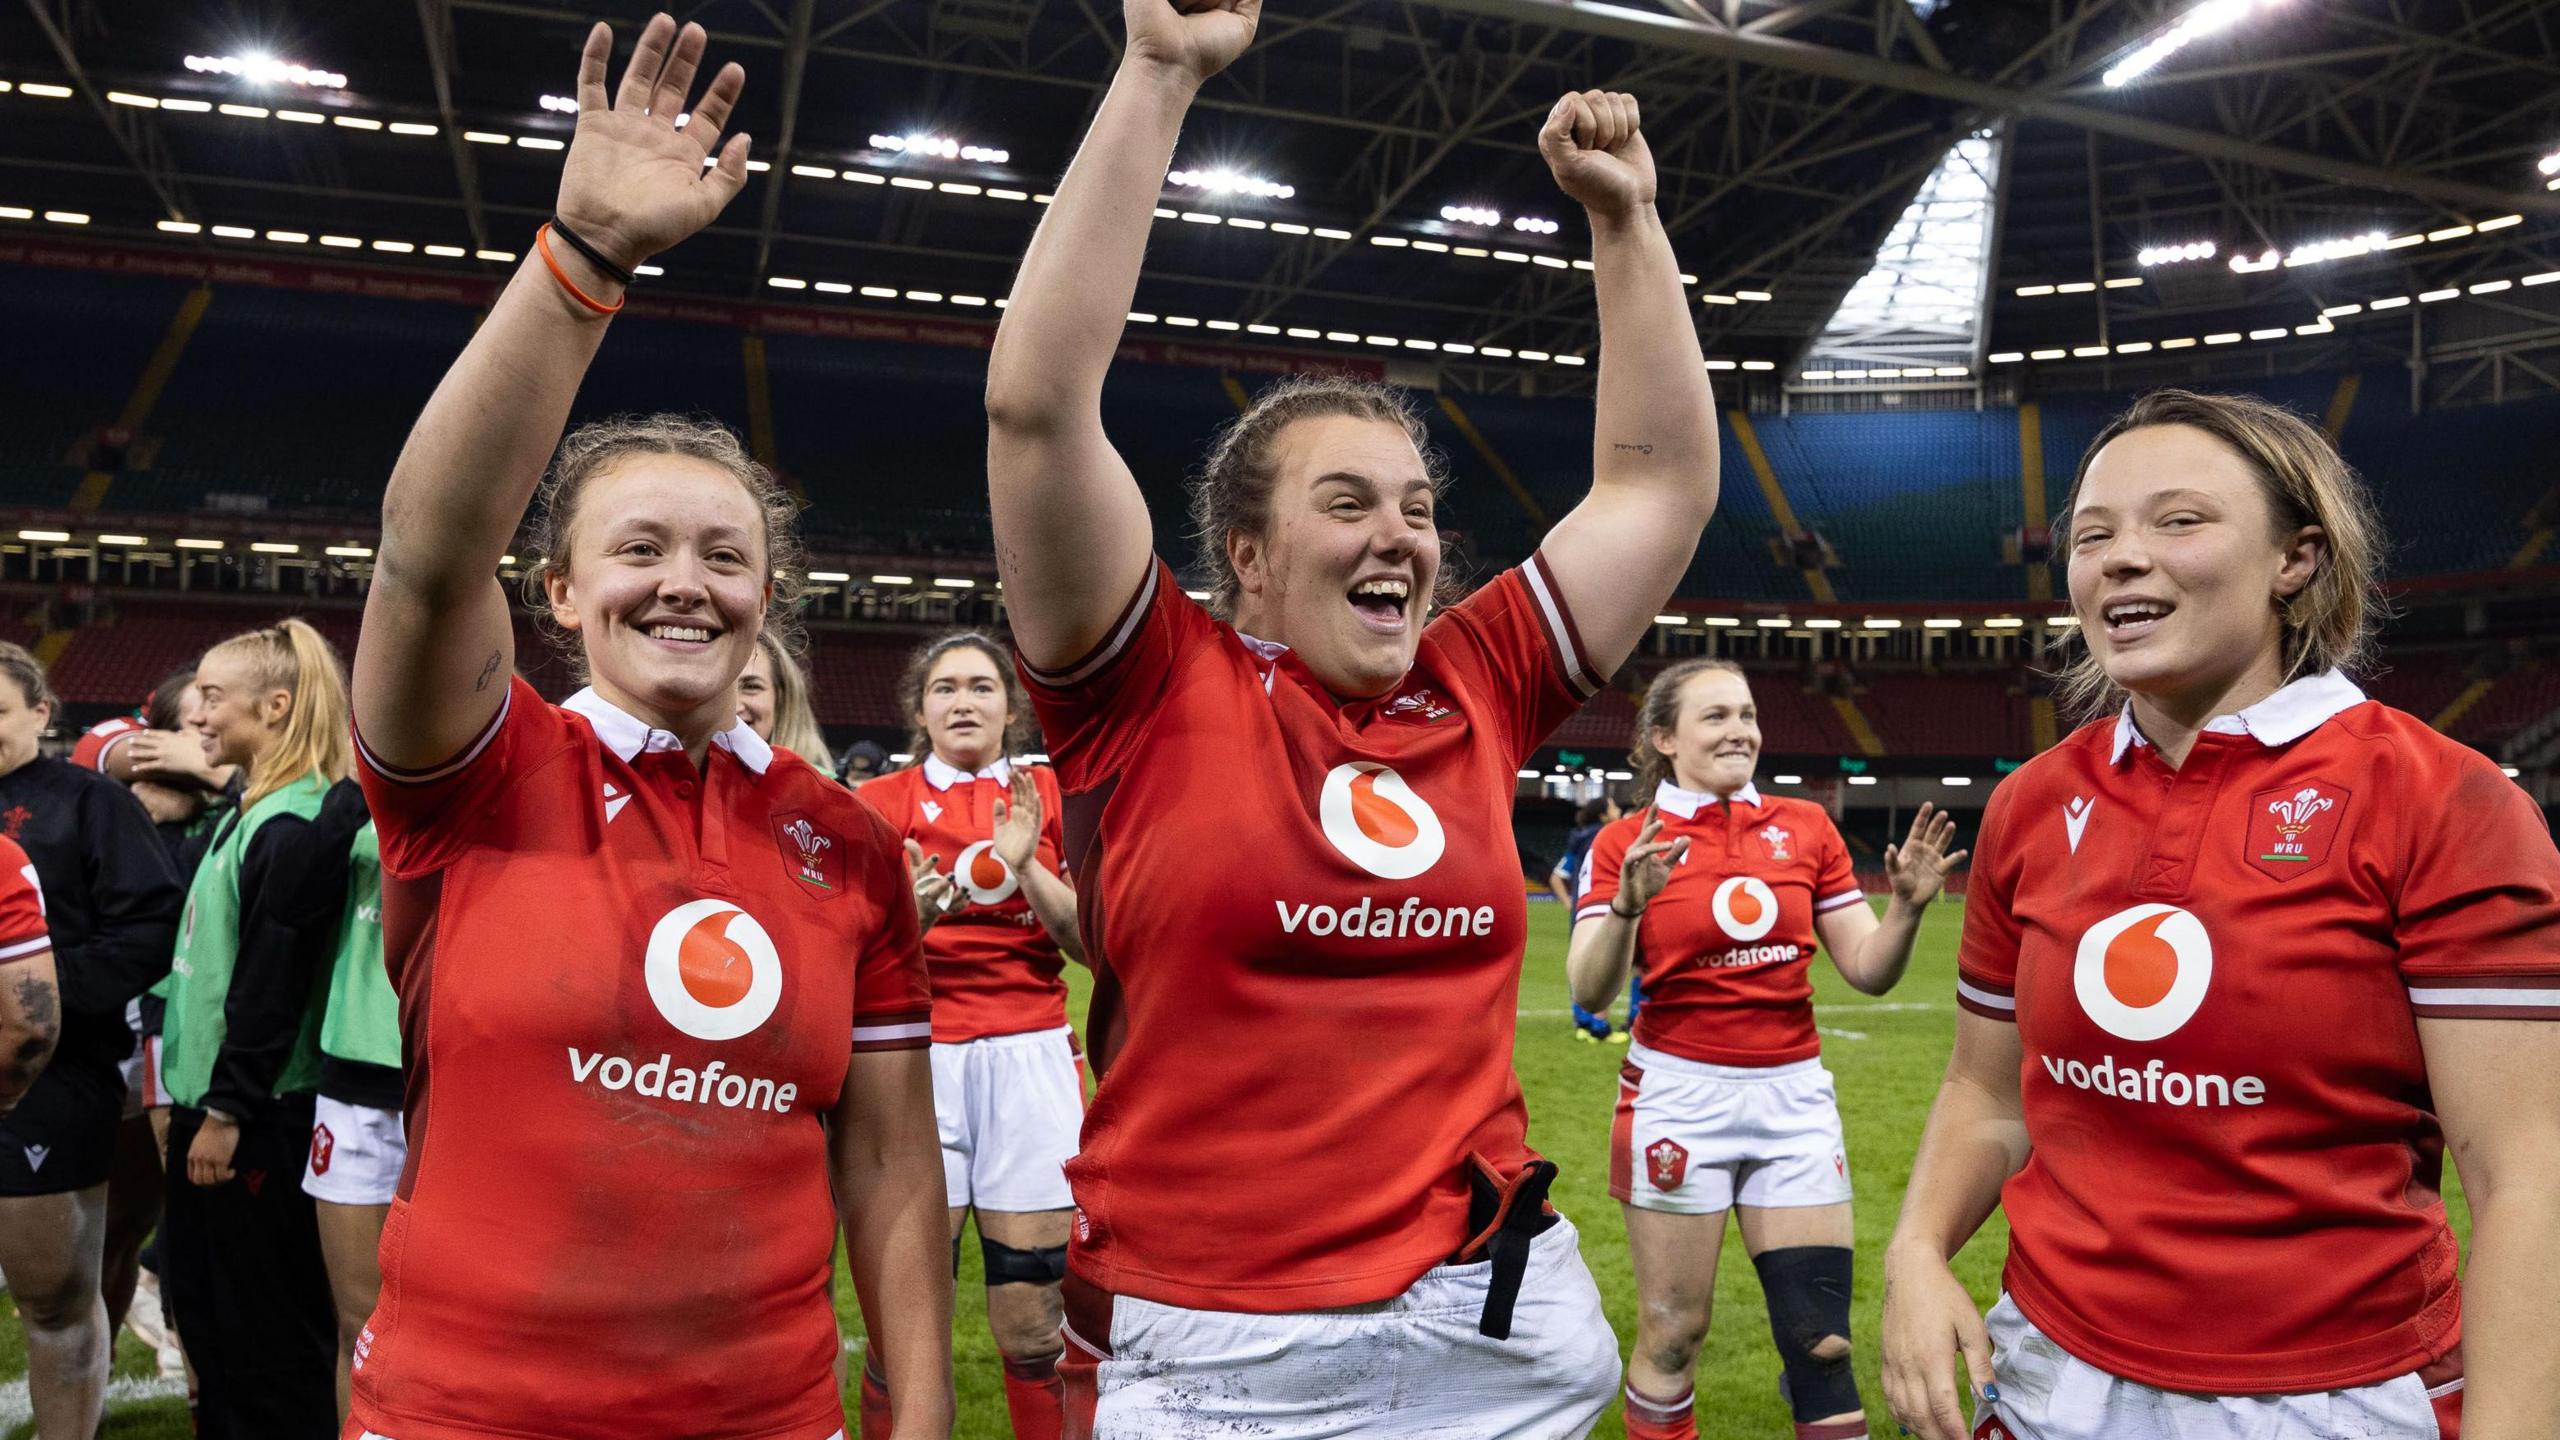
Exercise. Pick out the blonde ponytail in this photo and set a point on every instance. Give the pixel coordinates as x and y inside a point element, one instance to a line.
<point>291,656</point>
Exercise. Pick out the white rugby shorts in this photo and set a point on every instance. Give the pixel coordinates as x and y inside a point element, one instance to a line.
<point>1695,1139</point>
<point>1009,1108</point>
<point>356,1153</point>
<point>2048,1394</point>
<point>1411,1366</point>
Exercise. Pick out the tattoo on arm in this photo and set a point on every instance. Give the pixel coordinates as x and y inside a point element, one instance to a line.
<point>488,672</point>
<point>40,1004</point>
<point>1631,448</point>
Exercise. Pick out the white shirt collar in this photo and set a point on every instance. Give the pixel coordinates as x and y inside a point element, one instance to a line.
<point>1687,803</point>
<point>942,776</point>
<point>2282,718</point>
<point>626,734</point>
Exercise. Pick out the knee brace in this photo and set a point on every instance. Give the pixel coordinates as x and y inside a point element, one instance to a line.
<point>1807,1287</point>
<point>1046,1265</point>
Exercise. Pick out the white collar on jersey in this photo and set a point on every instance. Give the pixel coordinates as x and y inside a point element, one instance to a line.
<point>626,734</point>
<point>2280,719</point>
<point>942,777</point>
<point>1687,803</point>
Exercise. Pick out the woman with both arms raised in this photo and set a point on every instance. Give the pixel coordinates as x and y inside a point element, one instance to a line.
<point>1280,1224</point>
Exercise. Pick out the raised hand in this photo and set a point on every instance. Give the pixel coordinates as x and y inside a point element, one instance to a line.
<point>1917,868</point>
<point>1017,836</point>
<point>1594,144</point>
<point>1647,866</point>
<point>936,895</point>
<point>634,184</point>
<point>1194,39</point>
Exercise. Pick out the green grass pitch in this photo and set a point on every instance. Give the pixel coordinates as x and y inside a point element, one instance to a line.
<point>1887,1054</point>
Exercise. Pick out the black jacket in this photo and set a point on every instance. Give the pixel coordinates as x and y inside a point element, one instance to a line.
<point>291,895</point>
<point>111,898</point>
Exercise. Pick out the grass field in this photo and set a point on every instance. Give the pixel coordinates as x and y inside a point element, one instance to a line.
<point>1887,1054</point>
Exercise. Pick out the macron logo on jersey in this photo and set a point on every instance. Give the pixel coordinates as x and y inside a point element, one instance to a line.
<point>932,810</point>
<point>1377,821</point>
<point>615,797</point>
<point>2075,817</point>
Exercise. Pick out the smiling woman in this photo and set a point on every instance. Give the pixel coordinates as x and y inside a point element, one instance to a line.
<point>636,877</point>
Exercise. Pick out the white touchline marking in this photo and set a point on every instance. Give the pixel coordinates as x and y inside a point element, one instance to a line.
<point>16,1409</point>
<point>1842,1034</point>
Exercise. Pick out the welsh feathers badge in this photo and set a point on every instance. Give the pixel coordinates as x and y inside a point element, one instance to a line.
<point>2292,827</point>
<point>812,853</point>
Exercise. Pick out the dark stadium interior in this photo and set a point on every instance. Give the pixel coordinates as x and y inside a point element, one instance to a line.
<point>163,380</point>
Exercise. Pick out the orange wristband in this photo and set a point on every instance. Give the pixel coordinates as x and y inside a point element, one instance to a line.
<point>542,245</point>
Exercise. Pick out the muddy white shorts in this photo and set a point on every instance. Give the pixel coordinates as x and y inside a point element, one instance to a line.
<point>356,1154</point>
<point>1009,1108</point>
<point>1411,1366</point>
<point>1694,1139</point>
<point>2047,1394</point>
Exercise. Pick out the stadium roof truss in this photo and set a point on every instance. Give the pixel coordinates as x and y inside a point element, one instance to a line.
<point>1792,139</point>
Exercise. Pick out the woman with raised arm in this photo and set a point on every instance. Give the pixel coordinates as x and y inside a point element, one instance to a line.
<point>662,1007</point>
<point>1289,823</point>
<point>2244,959</point>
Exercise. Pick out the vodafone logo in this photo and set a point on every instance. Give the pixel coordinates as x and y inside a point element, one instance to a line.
<point>713,970</point>
<point>983,875</point>
<point>1746,907</point>
<point>1378,823</point>
<point>2143,972</point>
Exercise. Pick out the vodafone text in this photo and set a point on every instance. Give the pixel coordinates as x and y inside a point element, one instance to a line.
<point>663,1078</point>
<point>2154,1085</point>
<point>1742,955</point>
<point>1385,920</point>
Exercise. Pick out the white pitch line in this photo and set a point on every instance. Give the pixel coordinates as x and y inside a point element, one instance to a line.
<point>17,1409</point>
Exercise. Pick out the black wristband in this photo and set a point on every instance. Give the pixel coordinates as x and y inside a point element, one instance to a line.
<point>1624,914</point>
<point>594,256</point>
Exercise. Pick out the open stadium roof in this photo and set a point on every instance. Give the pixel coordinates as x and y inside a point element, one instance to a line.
<point>1369,169</point>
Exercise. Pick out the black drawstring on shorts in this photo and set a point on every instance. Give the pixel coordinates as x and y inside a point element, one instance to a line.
<point>1503,1216</point>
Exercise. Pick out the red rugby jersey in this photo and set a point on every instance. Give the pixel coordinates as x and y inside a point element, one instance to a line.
<point>628,993</point>
<point>1726,947</point>
<point>22,930</point>
<point>89,752</point>
<point>1305,918</point>
<point>2217,973</point>
<point>995,971</point>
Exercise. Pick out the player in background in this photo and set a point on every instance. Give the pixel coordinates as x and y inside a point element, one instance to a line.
<point>983,842</point>
<point>1289,825</point>
<point>1565,883</point>
<point>663,1013</point>
<point>114,911</point>
<point>358,1143</point>
<point>1718,895</point>
<point>2244,958</point>
<point>775,701</point>
<point>240,1250</point>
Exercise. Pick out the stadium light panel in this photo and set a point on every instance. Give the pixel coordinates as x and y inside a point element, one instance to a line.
<point>486,137</point>
<point>540,142</point>
<point>2183,342</point>
<point>2008,357</point>
<point>1862,780</point>
<point>2226,337</point>
<point>2429,297</point>
<point>45,92</point>
<point>2003,622</point>
<point>503,257</point>
<point>893,579</point>
<point>263,69</point>
<point>2272,332</point>
<point>831,577</point>
<point>348,552</point>
<point>274,547</point>
<point>2545,278</point>
<point>186,544</point>
<point>2124,282</point>
<point>2391,302</point>
<point>180,227</point>
<point>2174,254</point>
<point>1942,624</point>
<point>2336,311</point>
<point>1261,329</point>
<point>122,540</point>
<point>2549,164</point>
<point>2500,223</point>
<point>2086,352</point>
<point>941,582</point>
<point>342,242</point>
<point>52,536</point>
<point>2210,17</point>
<point>2492,287</point>
<point>1669,620</point>
<point>1188,322</point>
<point>1959,781</point>
<point>1824,624</point>
<point>1755,296</point>
<point>560,104</point>
<point>954,187</point>
<point>356,122</point>
<point>1722,622</point>
<point>785,282</point>
<point>834,287</point>
<point>2030,292</point>
<point>1772,623</point>
<point>1434,246</point>
<point>246,112</point>
<point>1471,215</point>
<point>1759,365</point>
<point>66,217</point>
<point>1710,298</point>
<point>2450,232</point>
<point>2047,354</point>
<point>1880,622</point>
<point>1786,779</point>
<point>235,232</point>
<point>126,97</point>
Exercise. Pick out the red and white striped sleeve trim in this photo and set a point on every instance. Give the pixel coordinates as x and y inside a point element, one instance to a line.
<point>1828,903</point>
<point>1112,644</point>
<point>1986,998</point>
<point>906,1030</point>
<point>25,947</point>
<point>107,743</point>
<point>1559,624</point>
<point>2503,997</point>
<point>454,766</point>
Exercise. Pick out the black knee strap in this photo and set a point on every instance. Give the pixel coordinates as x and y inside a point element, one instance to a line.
<point>1808,1288</point>
<point>1046,1265</point>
